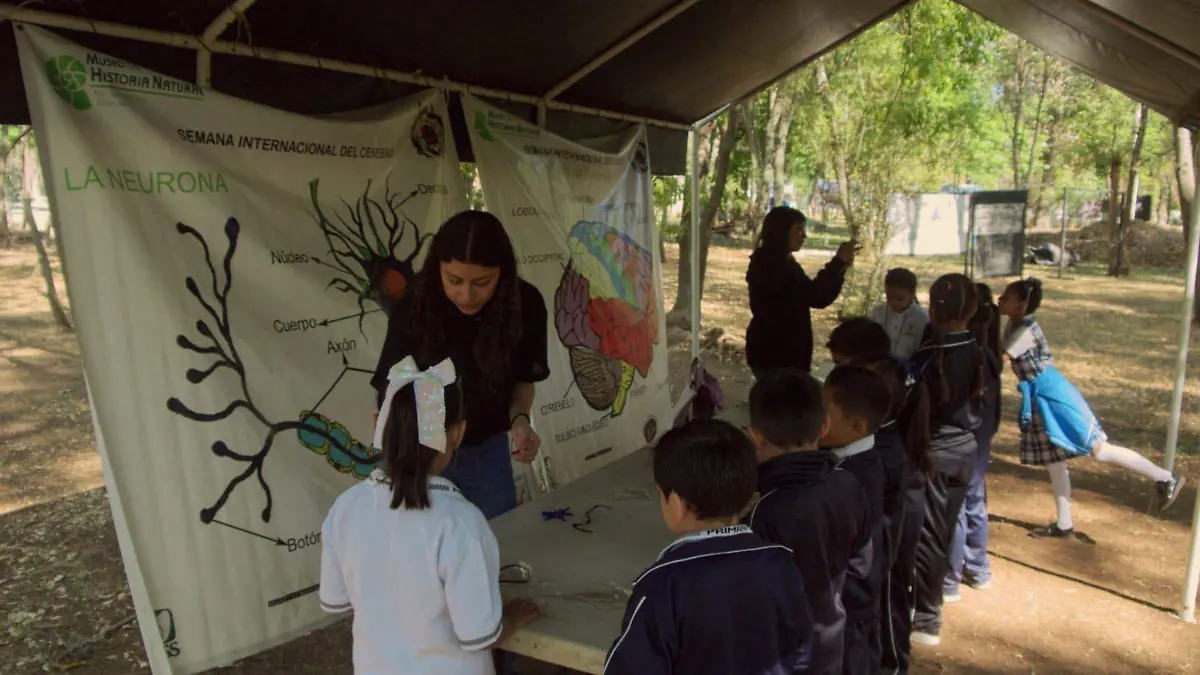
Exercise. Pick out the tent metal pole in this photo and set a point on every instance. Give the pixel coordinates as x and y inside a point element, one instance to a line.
<point>109,28</point>
<point>231,13</point>
<point>623,44</point>
<point>694,280</point>
<point>1185,329</point>
<point>184,41</point>
<point>1192,580</point>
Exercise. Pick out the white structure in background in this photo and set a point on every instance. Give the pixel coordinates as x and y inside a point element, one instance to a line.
<point>929,224</point>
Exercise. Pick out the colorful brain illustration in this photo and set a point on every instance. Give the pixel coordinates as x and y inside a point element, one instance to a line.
<point>606,313</point>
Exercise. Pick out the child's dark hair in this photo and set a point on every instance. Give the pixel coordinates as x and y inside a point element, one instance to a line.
<point>1028,291</point>
<point>860,392</point>
<point>954,297</point>
<point>859,338</point>
<point>985,325</point>
<point>405,461</point>
<point>866,343</point>
<point>902,278</point>
<point>786,408</point>
<point>772,240</point>
<point>710,464</point>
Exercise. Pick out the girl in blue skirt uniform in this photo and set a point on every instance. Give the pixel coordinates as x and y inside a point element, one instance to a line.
<point>1057,424</point>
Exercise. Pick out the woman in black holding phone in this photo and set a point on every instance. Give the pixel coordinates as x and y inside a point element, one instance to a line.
<point>469,305</point>
<point>782,296</point>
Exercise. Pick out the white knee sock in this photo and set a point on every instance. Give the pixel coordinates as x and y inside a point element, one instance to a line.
<point>1128,459</point>
<point>1060,480</point>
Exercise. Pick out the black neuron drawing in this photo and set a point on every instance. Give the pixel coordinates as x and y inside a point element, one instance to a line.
<point>316,432</point>
<point>367,242</point>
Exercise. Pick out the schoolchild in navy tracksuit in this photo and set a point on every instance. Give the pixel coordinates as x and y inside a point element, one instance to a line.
<point>857,400</point>
<point>968,550</point>
<point>902,443</point>
<point>720,600</point>
<point>955,368</point>
<point>807,503</point>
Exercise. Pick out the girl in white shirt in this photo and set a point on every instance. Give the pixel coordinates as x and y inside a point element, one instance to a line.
<point>901,315</point>
<point>414,560</point>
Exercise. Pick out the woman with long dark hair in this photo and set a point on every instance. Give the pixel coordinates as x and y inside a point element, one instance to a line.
<point>782,296</point>
<point>468,304</point>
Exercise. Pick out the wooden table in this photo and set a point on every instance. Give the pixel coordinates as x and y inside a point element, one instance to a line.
<point>582,580</point>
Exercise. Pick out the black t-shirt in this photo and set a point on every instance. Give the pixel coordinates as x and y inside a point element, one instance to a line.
<point>487,405</point>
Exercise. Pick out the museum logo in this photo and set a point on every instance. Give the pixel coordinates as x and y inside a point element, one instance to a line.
<point>85,84</point>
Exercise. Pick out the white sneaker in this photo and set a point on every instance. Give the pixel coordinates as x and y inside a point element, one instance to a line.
<point>927,639</point>
<point>948,598</point>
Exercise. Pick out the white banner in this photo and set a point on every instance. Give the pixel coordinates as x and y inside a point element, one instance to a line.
<point>227,268</point>
<point>581,220</point>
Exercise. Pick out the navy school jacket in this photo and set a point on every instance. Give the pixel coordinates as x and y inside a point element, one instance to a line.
<point>721,602</point>
<point>950,367</point>
<point>820,512</point>
<point>891,442</point>
<point>865,572</point>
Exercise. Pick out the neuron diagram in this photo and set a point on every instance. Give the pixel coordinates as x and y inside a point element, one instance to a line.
<point>371,248</point>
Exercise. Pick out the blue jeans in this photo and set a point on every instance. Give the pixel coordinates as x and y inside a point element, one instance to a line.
<point>484,474</point>
<point>968,548</point>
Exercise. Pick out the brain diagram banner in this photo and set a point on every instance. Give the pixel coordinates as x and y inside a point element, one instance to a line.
<point>228,266</point>
<point>580,219</point>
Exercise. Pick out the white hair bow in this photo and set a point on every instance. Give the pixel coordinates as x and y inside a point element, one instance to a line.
<point>430,390</point>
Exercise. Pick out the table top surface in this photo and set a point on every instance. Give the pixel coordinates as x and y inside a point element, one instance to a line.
<point>580,579</point>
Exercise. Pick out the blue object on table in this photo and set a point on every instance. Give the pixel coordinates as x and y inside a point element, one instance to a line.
<point>557,514</point>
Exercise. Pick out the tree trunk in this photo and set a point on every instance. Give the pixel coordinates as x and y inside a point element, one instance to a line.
<point>1162,202</point>
<point>1037,118</point>
<point>1018,109</point>
<point>782,132</point>
<point>1185,177</point>
<point>756,198</point>
<point>1120,260</point>
<point>1045,197</point>
<point>56,308</point>
<point>680,313</point>
<point>6,148</point>
<point>1114,191</point>
<point>5,233</point>
<point>1185,174</point>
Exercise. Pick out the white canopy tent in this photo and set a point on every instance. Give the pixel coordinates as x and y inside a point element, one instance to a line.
<point>673,65</point>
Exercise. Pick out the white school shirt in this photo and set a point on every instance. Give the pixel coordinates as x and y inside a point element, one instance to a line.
<point>856,448</point>
<point>424,585</point>
<point>904,329</point>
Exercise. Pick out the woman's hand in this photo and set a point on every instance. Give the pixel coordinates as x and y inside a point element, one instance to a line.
<point>847,251</point>
<point>525,440</point>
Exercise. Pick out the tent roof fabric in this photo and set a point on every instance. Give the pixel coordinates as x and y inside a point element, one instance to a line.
<point>711,53</point>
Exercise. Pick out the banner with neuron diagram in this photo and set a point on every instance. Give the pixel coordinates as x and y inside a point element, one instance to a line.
<point>230,270</point>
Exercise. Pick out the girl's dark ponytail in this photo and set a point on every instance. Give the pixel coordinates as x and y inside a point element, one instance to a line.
<point>920,431</point>
<point>406,462</point>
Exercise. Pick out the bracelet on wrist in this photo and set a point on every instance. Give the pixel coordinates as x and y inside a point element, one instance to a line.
<point>518,416</point>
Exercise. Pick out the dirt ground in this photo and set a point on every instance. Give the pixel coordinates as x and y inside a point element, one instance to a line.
<point>1056,607</point>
